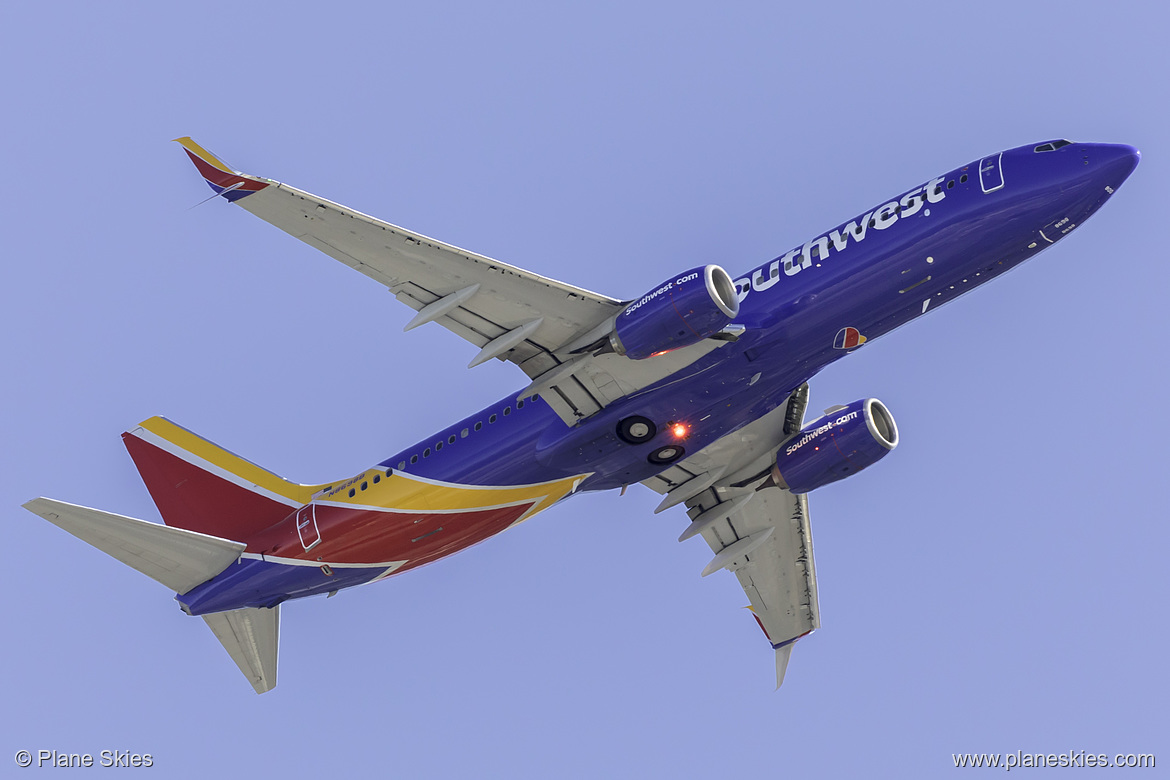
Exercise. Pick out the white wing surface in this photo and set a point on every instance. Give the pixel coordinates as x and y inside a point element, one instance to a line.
<point>475,297</point>
<point>762,536</point>
<point>252,639</point>
<point>542,325</point>
<point>177,558</point>
<point>767,544</point>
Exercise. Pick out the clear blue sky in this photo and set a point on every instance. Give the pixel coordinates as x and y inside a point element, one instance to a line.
<point>997,584</point>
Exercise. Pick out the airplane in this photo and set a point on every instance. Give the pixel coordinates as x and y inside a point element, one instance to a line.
<point>697,389</point>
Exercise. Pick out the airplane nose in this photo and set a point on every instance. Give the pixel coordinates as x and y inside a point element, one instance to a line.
<point>1115,161</point>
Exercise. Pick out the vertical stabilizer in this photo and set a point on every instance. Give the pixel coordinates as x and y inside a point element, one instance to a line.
<point>202,487</point>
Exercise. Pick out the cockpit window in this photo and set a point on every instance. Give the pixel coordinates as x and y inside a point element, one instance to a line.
<point>1052,146</point>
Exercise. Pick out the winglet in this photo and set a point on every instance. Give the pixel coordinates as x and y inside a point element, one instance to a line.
<point>782,655</point>
<point>229,183</point>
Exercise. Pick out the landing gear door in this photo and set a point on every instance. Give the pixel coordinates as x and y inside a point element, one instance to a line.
<point>307,526</point>
<point>991,173</point>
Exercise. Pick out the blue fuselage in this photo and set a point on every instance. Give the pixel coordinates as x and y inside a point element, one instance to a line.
<point>802,311</point>
<point>799,313</point>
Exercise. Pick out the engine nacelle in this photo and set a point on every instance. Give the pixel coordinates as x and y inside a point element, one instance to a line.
<point>683,311</point>
<point>836,446</point>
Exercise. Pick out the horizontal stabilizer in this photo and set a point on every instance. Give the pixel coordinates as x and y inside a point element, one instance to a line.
<point>252,638</point>
<point>175,557</point>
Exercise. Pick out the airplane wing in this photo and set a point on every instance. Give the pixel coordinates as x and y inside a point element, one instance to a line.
<point>762,536</point>
<point>542,325</point>
<point>518,314</point>
<point>767,544</point>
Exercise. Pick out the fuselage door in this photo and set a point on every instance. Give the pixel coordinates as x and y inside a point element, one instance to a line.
<point>991,173</point>
<point>307,526</point>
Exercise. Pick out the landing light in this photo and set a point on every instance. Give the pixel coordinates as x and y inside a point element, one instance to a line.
<point>679,430</point>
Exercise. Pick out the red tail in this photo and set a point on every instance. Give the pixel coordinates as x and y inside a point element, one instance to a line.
<point>202,487</point>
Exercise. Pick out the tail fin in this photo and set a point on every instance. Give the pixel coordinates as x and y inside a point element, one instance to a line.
<point>179,559</point>
<point>203,487</point>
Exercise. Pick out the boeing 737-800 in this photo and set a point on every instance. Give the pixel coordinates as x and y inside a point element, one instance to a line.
<point>697,389</point>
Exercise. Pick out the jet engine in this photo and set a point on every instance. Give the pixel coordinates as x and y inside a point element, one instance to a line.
<point>846,440</point>
<point>681,311</point>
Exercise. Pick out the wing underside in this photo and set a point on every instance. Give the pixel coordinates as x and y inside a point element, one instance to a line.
<point>778,573</point>
<point>761,536</point>
<point>477,298</point>
<point>544,326</point>
<point>527,316</point>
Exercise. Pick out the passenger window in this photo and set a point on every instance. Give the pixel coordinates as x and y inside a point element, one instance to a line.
<point>491,419</point>
<point>438,446</point>
<point>507,410</point>
<point>414,458</point>
<point>377,478</point>
<point>427,452</point>
<point>479,426</point>
<point>951,184</point>
<point>401,466</point>
<point>451,439</point>
<point>365,485</point>
<point>520,404</point>
<point>464,433</point>
<point>352,492</point>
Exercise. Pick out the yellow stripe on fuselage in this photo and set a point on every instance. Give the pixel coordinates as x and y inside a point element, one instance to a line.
<point>397,491</point>
<point>411,494</point>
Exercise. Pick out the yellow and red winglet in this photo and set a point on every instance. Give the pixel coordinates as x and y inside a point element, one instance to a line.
<point>231,184</point>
